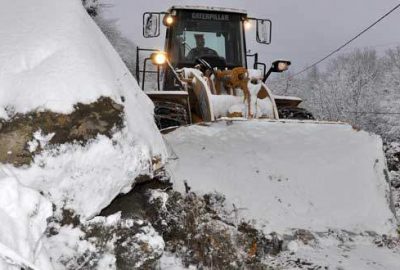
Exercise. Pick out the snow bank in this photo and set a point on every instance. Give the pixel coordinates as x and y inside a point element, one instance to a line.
<point>23,214</point>
<point>86,178</point>
<point>52,56</point>
<point>332,253</point>
<point>288,174</point>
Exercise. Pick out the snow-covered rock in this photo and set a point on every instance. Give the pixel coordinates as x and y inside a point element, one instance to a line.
<point>23,214</point>
<point>56,56</point>
<point>53,59</point>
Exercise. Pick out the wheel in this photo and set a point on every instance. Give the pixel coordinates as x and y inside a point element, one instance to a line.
<point>295,113</point>
<point>170,114</point>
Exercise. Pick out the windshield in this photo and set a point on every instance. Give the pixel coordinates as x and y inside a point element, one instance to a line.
<point>197,34</point>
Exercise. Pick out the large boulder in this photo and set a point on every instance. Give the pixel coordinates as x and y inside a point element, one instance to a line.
<point>75,128</point>
<point>64,92</point>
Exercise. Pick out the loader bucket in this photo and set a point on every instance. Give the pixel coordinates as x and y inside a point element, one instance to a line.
<point>288,174</point>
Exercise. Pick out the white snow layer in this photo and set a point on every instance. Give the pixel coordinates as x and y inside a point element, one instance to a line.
<point>332,253</point>
<point>287,174</point>
<point>52,56</point>
<point>23,214</point>
<point>87,178</point>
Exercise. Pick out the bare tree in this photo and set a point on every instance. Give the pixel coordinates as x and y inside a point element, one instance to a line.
<point>125,47</point>
<point>356,87</point>
<point>349,86</point>
<point>389,121</point>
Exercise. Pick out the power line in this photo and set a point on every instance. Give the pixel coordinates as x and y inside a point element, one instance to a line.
<point>347,43</point>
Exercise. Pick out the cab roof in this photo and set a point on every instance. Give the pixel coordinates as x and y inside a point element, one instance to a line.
<point>208,8</point>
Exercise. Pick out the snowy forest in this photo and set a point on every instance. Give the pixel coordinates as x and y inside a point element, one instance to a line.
<point>360,87</point>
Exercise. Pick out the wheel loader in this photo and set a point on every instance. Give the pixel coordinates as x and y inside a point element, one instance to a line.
<point>203,73</point>
<point>314,175</point>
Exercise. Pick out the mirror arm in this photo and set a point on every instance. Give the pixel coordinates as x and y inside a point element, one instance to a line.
<point>267,75</point>
<point>263,65</point>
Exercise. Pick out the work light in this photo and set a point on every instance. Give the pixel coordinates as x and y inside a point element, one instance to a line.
<point>158,58</point>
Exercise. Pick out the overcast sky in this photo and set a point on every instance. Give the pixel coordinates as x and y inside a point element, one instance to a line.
<point>303,30</point>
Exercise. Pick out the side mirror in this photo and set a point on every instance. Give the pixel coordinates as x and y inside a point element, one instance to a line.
<point>264,31</point>
<point>151,24</point>
<point>277,66</point>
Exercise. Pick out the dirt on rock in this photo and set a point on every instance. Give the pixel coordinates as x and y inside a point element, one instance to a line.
<point>83,124</point>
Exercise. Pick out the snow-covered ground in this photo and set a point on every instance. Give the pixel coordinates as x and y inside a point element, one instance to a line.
<point>287,174</point>
<point>356,252</point>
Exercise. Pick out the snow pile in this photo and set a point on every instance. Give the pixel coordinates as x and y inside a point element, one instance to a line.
<point>53,56</point>
<point>224,105</point>
<point>287,174</point>
<point>339,251</point>
<point>71,174</point>
<point>104,243</point>
<point>170,262</point>
<point>51,61</point>
<point>23,214</point>
<point>66,247</point>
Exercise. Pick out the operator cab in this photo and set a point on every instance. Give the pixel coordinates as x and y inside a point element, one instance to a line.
<point>216,35</point>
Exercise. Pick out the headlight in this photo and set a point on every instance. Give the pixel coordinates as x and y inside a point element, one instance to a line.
<point>168,20</point>
<point>247,24</point>
<point>158,58</point>
<point>282,66</point>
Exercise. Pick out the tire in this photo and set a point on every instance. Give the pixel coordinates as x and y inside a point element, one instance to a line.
<point>169,114</point>
<point>295,113</point>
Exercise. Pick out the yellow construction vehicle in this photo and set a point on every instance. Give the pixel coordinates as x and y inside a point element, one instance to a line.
<point>203,74</point>
<point>284,173</point>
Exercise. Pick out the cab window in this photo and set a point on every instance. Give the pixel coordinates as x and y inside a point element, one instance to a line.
<point>198,33</point>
